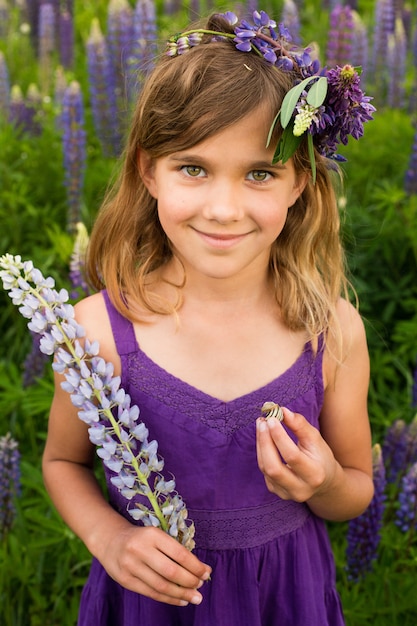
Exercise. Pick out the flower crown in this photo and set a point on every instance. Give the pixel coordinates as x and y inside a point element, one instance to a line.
<point>325,105</point>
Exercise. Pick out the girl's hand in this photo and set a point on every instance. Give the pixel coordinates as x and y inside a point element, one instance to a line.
<point>294,471</point>
<point>148,561</point>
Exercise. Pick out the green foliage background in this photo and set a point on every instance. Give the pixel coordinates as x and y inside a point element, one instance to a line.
<point>42,564</point>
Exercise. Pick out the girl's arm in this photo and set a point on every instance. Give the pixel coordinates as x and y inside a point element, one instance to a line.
<point>331,470</point>
<point>144,560</point>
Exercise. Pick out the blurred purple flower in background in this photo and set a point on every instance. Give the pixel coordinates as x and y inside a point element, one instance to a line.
<point>364,532</point>
<point>4,87</point>
<point>406,515</point>
<point>102,84</point>
<point>74,151</point>
<point>410,185</point>
<point>340,36</point>
<point>9,482</point>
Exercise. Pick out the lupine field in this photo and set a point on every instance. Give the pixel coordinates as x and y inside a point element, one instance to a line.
<point>69,75</point>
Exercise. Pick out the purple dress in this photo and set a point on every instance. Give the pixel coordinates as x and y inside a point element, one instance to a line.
<point>272,561</point>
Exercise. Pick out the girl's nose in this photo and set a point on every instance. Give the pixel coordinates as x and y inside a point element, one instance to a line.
<point>223,203</point>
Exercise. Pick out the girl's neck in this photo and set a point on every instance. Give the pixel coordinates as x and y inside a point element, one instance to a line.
<point>240,292</point>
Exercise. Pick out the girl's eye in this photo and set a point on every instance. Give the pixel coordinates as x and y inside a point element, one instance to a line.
<point>192,170</point>
<point>259,176</point>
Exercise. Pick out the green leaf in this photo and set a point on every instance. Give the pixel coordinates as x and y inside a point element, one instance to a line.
<point>317,92</point>
<point>287,145</point>
<point>291,99</point>
<point>271,129</point>
<point>311,155</point>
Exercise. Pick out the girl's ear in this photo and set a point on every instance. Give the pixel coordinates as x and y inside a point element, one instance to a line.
<point>299,186</point>
<point>146,166</point>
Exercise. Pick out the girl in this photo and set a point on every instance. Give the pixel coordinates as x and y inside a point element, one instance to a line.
<point>221,275</point>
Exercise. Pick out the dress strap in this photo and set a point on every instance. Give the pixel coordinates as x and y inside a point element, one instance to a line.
<point>123,332</point>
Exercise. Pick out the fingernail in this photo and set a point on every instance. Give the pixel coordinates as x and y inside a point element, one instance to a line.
<point>197,598</point>
<point>184,603</point>
<point>206,576</point>
<point>262,426</point>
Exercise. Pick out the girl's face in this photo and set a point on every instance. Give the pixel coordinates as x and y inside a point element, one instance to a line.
<point>221,203</point>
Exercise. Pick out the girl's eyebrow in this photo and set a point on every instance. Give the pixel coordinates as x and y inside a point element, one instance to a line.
<point>183,157</point>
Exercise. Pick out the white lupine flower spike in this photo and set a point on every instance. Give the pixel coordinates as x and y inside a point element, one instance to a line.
<point>121,440</point>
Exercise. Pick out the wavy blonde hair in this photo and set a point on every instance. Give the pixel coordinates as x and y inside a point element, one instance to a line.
<point>184,101</point>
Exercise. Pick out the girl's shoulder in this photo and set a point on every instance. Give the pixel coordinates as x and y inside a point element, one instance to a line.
<point>91,314</point>
<point>351,324</point>
<point>346,349</point>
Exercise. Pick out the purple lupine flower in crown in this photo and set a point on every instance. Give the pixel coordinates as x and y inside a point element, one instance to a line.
<point>9,482</point>
<point>132,460</point>
<point>66,38</point>
<point>47,44</point>
<point>406,514</point>
<point>339,43</point>
<point>102,83</point>
<point>410,186</point>
<point>290,17</point>
<point>120,36</point>
<point>396,65</point>
<point>394,450</point>
<point>324,106</point>
<point>74,150</point>
<point>364,532</point>
<point>4,87</point>
<point>77,263</point>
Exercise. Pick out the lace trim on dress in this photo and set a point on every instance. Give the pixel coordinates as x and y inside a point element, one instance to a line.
<point>227,417</point>
<point>247,528</point>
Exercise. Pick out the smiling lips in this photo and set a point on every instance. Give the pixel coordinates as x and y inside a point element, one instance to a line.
<point>219,240</point>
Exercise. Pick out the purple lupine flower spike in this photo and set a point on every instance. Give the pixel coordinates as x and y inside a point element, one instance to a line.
<point>384,26</point>
<point>144,47</point>
<point>120,33</point>
<point>34,364</point>
<point>339,45</point>
<point>114,426</point>
<point>9,482</point>
<point>394,449</point>
<point>411,443</point>
<point>364,532</point>
<point>74,150</point>
<point>410,185</point>
<point>47,41</point>
<point>66,38</point>
<point>290,17</point>
<point>102,83</point>
<point>20,114</point>
<point>396,64</point>
<point>4,87</point>
<point>360,45</point>
<point>406,514</point>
